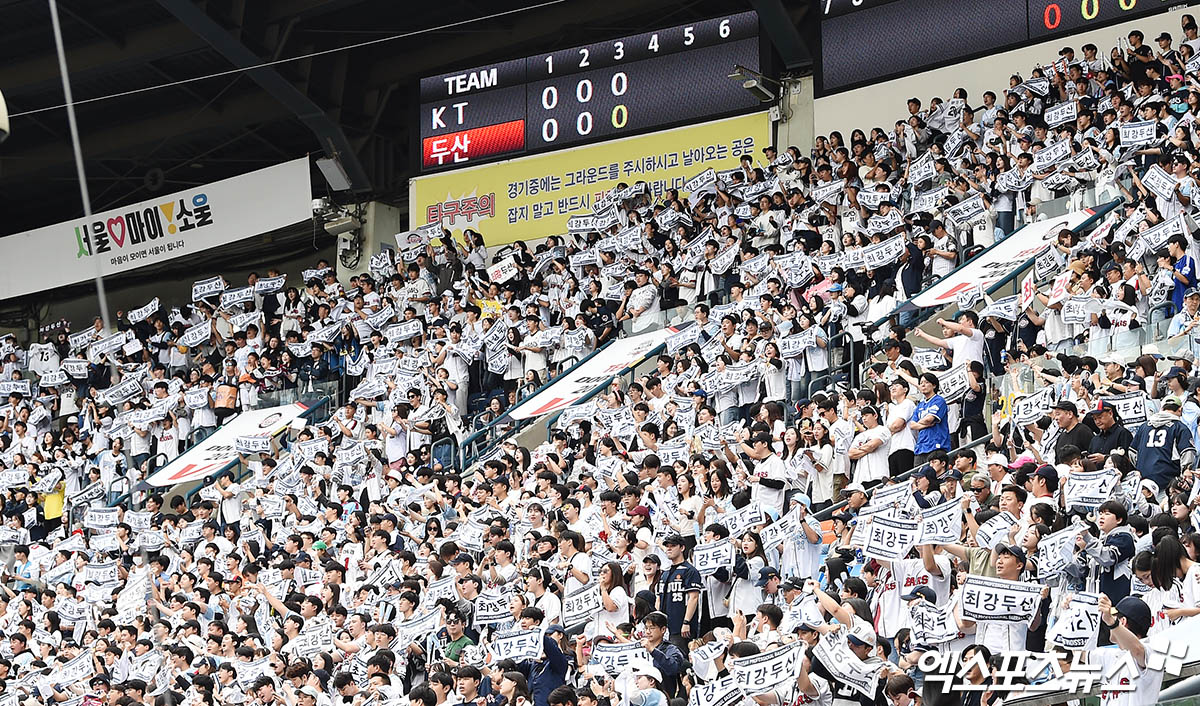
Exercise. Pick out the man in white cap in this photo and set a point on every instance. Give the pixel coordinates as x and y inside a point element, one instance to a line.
<point>997,467</point>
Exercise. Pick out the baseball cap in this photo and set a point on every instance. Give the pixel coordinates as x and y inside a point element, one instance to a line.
<point>1012,550</point>
<point>765,574</point>
<point>1066,406</point>
<point>309,690</point>
<point>673,539</point>
<point>853,487</point>
<point>844,517</point>
<point>1162,37</point>
<point>997,460</point>
<point>1172,402</point>
<point>861,633</point>
<point>461,559</point>
<point>641,668</point>
<point>920,592</point>
<point>640,510</point>
<point>792,584</point>
<point>1103,406</point>
<point>835,288</point>
<point>1047,472</point>
<point>1134,610</point>
<point>1022,460</point>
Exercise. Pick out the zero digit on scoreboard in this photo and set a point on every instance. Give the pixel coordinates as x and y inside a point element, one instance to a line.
<point>1052,16</point>
<point>614,87</point>
<point>620,116</point>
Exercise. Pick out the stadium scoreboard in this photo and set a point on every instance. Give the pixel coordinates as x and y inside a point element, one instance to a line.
<point>867,41</point>
<point>589,93</point>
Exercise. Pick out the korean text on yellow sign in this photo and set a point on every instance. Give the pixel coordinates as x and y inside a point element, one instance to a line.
<point>534,196</point>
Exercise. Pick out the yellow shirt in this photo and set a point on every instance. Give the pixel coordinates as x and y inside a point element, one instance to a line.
<point>52,503</point>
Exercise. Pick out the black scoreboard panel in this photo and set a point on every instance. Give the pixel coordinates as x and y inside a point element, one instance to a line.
<point>867,41</point>
<point>589,93</point>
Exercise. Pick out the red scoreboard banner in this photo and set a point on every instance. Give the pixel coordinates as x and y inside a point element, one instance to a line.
<point>473,144</point>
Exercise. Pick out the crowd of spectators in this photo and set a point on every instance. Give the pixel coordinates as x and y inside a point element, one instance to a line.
<point>662,545</point>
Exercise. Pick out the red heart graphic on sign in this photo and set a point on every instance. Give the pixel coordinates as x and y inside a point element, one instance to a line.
<point>112,233</point>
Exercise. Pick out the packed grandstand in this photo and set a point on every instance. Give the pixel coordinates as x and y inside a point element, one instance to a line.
<point>822,485</point>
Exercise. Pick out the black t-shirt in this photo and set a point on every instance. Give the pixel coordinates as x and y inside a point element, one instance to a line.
<point>1080,436</point>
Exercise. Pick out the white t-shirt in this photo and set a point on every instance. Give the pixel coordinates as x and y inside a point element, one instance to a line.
<point>599,624</point>
<point>873,466</point>
<point>903,440</point>
<point>1117,667</point>
<point>964,349</point>
<point>231,507</point>
<point>43,358</point>
<point>551,607</point>
<point>168,441</point>
<point>582,562</point>
<point>773,468</point>
<point>792,696</point>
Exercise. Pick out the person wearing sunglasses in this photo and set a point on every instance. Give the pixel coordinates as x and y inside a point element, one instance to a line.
<point>453,638</point>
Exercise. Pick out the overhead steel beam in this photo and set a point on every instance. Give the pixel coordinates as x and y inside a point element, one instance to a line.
<point>328,133</point>
<point>423,57</point>
<point>91,25</point>
<point>41,71</point>
<point>305,9</point>
<point>119,140</point>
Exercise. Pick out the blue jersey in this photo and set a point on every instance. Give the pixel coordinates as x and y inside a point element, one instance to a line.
<point>1158,448</point>
<point>1185,266</point>
<point>673,589</point>
<point>937,436</point>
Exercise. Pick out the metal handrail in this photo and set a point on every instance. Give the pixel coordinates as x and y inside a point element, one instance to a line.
<point>604,386</point>
<point>830,511</point>
<point>1098,213</point>
<point>208,480</point>
<point>829,374</point>
<point>504,418</point>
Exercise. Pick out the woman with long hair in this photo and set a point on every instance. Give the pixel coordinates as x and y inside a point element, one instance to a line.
<point>615,601</point>
<point>1172,570</point>
<point>745,596</point>
<point>718,500</point>
<point>689,509</point>
<point>820,452</point>
<point>514,689</point>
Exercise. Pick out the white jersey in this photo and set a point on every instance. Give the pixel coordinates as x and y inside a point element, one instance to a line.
<point>43,358</point>
<point>1119,669</point>
<point>790,695</point>
<point>904,576</point>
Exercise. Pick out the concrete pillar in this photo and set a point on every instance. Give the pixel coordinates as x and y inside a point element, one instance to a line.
<point>794,125</point>
<point>380,224</point>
